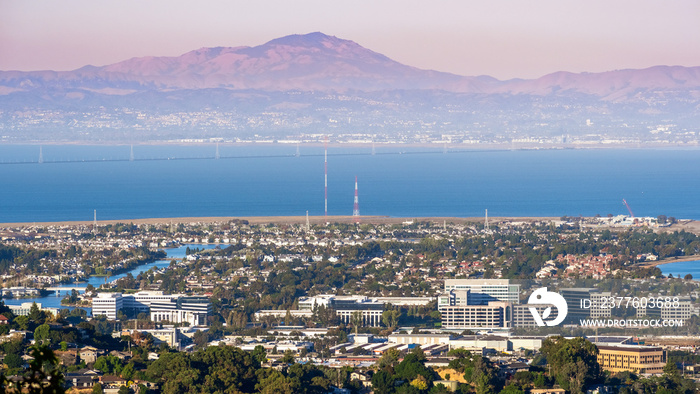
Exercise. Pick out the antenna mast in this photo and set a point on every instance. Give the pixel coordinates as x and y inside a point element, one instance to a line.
<point>356,206</point>
<point>325,174</point>
<point>628,207</point>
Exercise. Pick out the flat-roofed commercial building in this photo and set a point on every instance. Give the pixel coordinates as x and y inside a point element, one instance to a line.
<point>576,299</point>
<point>637,359</point>
<point>522,317</point>
<point>496,314</point>
<point>185,309</point>
<point>370,311</point>
<point>421,339</point>
<point>107,304</point>
<point>344,306</point>
<point>175,308</point>
<point>669,310</point>
<point>483,291</point>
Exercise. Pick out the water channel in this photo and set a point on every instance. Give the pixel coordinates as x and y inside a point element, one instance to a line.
<point>53,299</point>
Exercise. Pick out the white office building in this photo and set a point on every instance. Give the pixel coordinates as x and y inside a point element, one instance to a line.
<point>174,308</point>
<point>107,304</point>
<point>483,291</point>
<point>193,310</point>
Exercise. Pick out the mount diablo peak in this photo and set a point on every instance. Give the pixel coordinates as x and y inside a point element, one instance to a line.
<point>310,62</point>
<point>319,62</point>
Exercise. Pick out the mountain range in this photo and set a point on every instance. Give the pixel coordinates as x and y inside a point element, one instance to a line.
<point>316,63</point>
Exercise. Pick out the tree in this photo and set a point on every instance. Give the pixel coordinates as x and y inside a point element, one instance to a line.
<point>288,357</point>
<point>688,277</point>
<point>13,360</point>
<point>43,375</point>
<point>36,315</point>
<point>41,334</point>
<point>573,362</point>
<point>97,389</point>
<point>389,358</point>
<point>383,382</point>
<point>512,389</point>
<point>670,369</point>
<point>420,383</point>
<point>22,322</point>
<point>390,318</point>
<point>356,319</point>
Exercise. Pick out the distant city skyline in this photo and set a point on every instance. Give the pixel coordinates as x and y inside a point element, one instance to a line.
<point>506,39</point>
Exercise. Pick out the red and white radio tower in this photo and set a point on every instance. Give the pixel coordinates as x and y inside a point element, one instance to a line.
<point>325,172</point>
<point>356,206</point>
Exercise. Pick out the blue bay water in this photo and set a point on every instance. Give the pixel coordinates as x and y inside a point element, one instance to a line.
<point>682,268</point>
<point>270,181</point>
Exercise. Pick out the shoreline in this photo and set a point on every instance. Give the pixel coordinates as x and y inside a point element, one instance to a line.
<point>681,259</point>
<point>689,225</point>
<point>438,145</point>
<point>281,220</point>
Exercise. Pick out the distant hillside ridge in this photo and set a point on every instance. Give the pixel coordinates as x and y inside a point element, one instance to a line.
<point>319,62</point>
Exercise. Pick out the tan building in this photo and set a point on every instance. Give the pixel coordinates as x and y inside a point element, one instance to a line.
<point>637,359</point>
<point>421,339</point>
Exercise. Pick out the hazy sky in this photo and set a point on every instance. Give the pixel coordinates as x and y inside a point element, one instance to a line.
<point>502,38</point>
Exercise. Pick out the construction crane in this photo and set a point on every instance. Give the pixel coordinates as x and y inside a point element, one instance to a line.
<point>628,207</point>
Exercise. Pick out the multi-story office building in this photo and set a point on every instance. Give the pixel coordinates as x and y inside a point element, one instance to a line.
<point>484,291</point>
<point>495,314</point>
<point>522,317</point>
<point>174,308</point>
<point>371,311</point>
<point>345,306</point>
<point>576,299</point>
<point>597,309</point>
<point>637,359</point>
<point>669,310</point>
<point>107,304</point>
<point>142,301</point>
<point>192,310</point>
<point>478,303</point>
<point>460,312</point>
<point>26,307</point>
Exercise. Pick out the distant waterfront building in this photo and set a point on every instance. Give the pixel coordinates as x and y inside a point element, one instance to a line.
<point>26,307</point>
<point>17,292</point>
<point>483,291</point>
